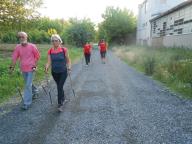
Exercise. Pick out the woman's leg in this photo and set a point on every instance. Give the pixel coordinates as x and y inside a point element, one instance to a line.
<point>60,80</point>
<point>56,77</point>
<point>61,96</point>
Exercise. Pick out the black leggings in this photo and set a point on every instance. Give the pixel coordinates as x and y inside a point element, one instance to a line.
<point>87,58</point>
<point>103,54</point>
<point>60,80</point>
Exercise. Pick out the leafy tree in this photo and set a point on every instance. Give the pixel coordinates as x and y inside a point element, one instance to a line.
<point>80,31</point>
<point>15,13</point>
<point>117,25</point>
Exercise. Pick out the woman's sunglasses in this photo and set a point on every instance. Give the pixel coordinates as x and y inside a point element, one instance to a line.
<point>55,40</point>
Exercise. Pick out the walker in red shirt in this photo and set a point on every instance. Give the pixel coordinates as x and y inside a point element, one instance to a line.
<point>103,49</point>
<point>87,48</point>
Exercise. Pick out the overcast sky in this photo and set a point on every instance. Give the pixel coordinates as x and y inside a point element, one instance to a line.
<point>84,8</point>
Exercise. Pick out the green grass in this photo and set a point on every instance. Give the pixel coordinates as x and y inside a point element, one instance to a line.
<point>171,66</point>
<point>8,82</point>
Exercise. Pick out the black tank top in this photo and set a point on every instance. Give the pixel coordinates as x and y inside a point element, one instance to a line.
<point>58,62</point>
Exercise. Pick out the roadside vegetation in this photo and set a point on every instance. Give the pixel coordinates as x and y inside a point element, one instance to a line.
<point>171,66</point>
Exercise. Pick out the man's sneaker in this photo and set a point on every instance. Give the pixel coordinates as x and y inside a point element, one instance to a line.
<point>25,107</point>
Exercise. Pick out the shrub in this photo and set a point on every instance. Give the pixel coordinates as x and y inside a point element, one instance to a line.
<point>9,37</point>
<point>149,65</point>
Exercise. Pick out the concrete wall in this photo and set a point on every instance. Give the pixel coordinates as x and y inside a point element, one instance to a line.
<point>157,42</point>
<point>184,40</point>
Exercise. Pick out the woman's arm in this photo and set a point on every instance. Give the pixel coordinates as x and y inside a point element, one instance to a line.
<point>68,60</point>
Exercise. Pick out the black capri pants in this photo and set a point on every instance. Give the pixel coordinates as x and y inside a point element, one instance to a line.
<point>60,79</point>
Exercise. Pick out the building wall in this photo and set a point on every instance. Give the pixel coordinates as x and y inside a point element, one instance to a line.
<point>183,40</point>
<point>174,28</point>
<point>148,10</point>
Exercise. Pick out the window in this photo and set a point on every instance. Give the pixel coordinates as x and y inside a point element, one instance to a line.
<point>180,31</point>
<point>178,22</point>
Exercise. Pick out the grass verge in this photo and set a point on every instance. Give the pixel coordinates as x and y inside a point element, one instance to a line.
<point>171,66</point>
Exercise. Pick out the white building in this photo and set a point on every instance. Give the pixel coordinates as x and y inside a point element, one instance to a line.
<point>173,28</point>
<point>148,10</point>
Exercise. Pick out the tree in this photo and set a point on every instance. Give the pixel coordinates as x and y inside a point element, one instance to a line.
<point>80,31</point>
<point>15,13</point>
<point>117,25</point>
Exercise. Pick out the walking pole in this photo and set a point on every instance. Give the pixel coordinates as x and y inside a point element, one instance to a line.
<point>48,87</point>
<point>69,77</point>
<point>71,83</point>
<point>18,89</point>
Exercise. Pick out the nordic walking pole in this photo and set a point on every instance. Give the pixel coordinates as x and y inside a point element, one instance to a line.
<point>71,83</point>
<point>11,69</point>
<point>48,87</point>
<point>46,93</point>
<point>68,72</point>
<point>19,91</point>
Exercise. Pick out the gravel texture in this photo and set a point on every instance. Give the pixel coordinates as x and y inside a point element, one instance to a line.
<point>114,104</point>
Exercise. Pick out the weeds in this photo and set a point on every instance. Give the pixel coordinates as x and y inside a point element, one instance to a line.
<point>172,66</point>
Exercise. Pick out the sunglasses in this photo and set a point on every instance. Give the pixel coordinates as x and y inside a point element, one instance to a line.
<point>55,40</point>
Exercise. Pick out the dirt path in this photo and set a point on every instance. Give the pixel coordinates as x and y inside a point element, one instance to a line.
<point>114,105</point>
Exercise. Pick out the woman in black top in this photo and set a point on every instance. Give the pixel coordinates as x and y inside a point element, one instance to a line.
<point>58,59</point>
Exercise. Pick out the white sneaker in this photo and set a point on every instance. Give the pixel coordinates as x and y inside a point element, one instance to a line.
<point>60,109</point>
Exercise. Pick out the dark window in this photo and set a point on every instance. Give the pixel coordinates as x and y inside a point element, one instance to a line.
<point>185,22</point>
<point>178,22</point>
<point>164,28</point>
<point>180,31</point>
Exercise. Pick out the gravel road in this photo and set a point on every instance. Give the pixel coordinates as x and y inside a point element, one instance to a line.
<point>114,104</point>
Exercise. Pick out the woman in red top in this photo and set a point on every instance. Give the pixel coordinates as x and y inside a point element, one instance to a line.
<point>103,49</point>
<point>87,52</point>
<point>59,60</point>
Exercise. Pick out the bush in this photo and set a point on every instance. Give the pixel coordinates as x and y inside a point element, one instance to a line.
<point>37,36</point>
<point>9,37</point>
<point>149,65</point>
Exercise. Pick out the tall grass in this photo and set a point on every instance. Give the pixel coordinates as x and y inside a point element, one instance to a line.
<point>9,82</point>
<point>172,66</point>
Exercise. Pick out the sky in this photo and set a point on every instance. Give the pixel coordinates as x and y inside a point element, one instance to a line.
<point>92,9</point>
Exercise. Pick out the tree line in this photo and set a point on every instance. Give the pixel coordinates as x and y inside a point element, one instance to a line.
<point>22,15</point>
